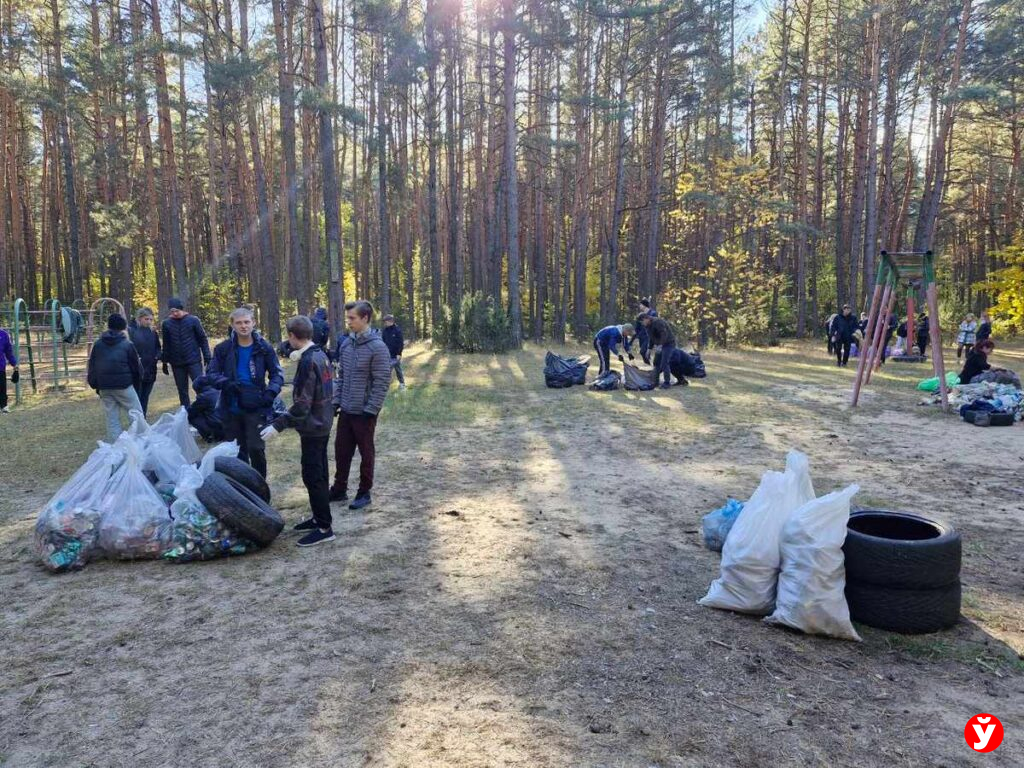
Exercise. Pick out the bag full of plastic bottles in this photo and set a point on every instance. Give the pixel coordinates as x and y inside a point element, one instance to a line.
<point>67,531</point>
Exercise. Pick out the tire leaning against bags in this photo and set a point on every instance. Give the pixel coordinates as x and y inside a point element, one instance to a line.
<point>240,509</point>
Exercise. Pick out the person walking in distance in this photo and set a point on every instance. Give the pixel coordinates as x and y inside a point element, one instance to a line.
<point>392,336</point>
<point>364,374</point>
<point>115,372</point>
<point>310,416</point>
<point>841,332</point>
<point>246,371</point>
<point>185,348</point>
<point>147,344</point>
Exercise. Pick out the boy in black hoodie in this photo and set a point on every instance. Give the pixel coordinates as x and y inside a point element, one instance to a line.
<point>115,372</point>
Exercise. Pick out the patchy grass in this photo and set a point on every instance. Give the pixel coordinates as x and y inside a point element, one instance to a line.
<point>523,590</point>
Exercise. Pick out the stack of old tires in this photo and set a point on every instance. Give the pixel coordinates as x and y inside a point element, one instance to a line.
<point>902,571</point>
<point>238,496</point>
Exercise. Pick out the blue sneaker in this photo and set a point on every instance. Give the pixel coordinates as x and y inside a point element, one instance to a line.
<point>316,537</point>
<point>363,500</point>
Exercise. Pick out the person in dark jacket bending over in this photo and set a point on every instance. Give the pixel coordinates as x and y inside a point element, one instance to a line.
<point>310,416</point>
<point>115,372</point>
<point>364,374</point>
<point>606,344</point>
<point>392,336</point>
<point>841,332</point>
<point>977,360</point>
<point>661,336</point>
<point>186,348</point>
<point>246,371</point>
<point>642,337</point>
<point>147,344</point>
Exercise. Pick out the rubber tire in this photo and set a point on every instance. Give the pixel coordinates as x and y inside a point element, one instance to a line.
<point>241,472</point>
<point>902,563</point>
<point>995,419</point>
<point>908,611</point>
<point>240,509</point>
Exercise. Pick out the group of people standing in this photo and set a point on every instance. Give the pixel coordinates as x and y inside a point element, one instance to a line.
<point>347,385</point>
<point>845,328</point>
<point>649,331</point>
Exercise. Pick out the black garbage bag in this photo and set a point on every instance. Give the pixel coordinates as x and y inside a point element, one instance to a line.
<point>683,364</point>
<point>639,380</point>
<point>558,369</point>
<point>607,382</point>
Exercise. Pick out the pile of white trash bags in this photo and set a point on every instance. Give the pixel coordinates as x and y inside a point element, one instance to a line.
<point>135,499</point>
<point>783,557</point>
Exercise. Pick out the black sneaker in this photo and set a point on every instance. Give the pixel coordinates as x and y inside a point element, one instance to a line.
<point>339,494</point>
<point>360,502</point>
<point>682,382</point>
<point>315,537</point>
<point>665,385</point>
<point>306,525</point>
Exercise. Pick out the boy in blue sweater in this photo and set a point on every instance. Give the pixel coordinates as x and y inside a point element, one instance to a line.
<point>606,344</point>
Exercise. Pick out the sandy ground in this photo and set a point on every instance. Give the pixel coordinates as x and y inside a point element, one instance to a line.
<point>523,591</point>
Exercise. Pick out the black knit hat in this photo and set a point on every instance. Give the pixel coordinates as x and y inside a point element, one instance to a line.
<point>116,322</point>
<point>175,303</point>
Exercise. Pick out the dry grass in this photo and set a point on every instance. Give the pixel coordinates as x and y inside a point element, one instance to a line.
<point>552,621</point>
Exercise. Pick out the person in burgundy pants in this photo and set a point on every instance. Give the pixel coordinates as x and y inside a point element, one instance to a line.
<point>364,374</point>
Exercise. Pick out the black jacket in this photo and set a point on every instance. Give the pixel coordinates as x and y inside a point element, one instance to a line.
<point>321,329</point>
<point>392,336</point>
<point>984,332</point>
<point>843,327</point>
<point>114,363</point>
<point>147,344</point>
<point>266,372</point>
<point>660,333</point>
<point>977,362</point>
<point>185,341</point>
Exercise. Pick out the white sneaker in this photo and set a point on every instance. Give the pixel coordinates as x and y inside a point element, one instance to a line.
<point>5,409</point>
<point>401,386</point>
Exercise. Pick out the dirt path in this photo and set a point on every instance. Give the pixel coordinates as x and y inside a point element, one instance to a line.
<point>523,592</point>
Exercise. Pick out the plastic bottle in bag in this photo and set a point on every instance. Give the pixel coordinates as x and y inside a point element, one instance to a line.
<point>67,531</point>
<point>135,522</point>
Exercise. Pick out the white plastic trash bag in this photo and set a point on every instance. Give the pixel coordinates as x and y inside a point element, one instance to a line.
<point>813,578</point>
<point>221,450</point>
<point>163,458</point>
<point>135,522</point>
<point>750,556</point>
<point>175,426</point>
<point>67,530</point>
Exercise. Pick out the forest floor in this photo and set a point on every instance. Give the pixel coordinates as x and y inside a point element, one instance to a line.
<point>523,591</point>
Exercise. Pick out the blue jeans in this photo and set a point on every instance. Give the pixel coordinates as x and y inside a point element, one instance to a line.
<point>666,362</point>
<point>396,363</point>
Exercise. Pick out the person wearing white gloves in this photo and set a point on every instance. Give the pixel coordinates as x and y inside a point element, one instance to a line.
<point>310,416</point>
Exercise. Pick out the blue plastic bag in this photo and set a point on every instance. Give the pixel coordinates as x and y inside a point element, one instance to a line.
<point>717,524</point>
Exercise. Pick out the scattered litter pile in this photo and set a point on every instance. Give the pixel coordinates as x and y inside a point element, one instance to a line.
<point>987,397</point>
<point>140,499</point>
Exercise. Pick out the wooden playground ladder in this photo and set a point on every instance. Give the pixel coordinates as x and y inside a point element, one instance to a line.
<point>917,268</point>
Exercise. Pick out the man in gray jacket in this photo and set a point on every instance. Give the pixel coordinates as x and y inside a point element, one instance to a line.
<point>364,374</point>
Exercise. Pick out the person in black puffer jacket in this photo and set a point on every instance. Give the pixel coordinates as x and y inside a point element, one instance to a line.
<point>841,332</point>
<point>147,344</point>
<point>395,342</point>
<point>321,329</point>
<point>186,348</point>
<point>115,372</point>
